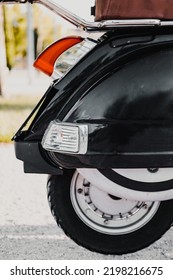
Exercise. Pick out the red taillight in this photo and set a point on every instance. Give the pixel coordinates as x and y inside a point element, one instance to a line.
<point>46,60</point>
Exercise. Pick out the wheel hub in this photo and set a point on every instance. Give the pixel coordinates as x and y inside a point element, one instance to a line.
<point>105,214</point>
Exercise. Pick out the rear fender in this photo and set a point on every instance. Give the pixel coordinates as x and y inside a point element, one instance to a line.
<point>124,93</point>
<point>129,113</point>
<point>131,109</point>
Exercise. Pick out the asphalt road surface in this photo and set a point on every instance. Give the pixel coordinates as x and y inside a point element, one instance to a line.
<point>28,230</point>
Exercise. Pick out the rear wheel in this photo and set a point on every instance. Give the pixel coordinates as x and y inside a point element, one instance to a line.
<point>104,223</point>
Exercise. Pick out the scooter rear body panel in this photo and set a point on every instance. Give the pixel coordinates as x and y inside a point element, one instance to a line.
<point>123,91</point>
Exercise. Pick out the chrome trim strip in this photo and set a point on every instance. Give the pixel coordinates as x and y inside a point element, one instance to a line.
<point>166,23</point>
<point>146,153</point>
<point>85,47</point>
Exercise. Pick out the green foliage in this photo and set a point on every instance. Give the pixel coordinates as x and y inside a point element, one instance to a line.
<point>19,30</point>
<point>44,28</point>
<point>15,34</point>
<point>13,112</point>
<point>15,26</point>
<point>9,37</point>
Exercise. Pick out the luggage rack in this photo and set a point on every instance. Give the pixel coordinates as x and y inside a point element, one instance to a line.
<point>93,26</point>
<point>101,25</point>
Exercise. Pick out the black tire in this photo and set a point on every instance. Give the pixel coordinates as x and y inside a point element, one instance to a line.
<point>66,217</point>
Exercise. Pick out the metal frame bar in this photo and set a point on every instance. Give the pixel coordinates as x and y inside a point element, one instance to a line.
<point>92,26</point>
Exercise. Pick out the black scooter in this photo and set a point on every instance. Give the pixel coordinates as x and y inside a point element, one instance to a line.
<point>103,132</point>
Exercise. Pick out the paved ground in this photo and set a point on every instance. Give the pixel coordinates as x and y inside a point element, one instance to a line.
<point>27,229</point>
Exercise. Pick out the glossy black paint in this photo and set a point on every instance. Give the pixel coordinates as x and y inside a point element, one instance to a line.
<point>35,161</point>
<point>123,90</point>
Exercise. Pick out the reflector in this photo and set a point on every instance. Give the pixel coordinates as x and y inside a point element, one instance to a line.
<point>46,60</point>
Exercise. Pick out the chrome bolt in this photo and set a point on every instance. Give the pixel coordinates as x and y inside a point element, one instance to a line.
<point>80,191</point>
<point>145,206</point>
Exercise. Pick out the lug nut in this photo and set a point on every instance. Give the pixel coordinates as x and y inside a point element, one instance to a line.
<point>106,222</point>
<point>80,191</point>
<point>145,206</point>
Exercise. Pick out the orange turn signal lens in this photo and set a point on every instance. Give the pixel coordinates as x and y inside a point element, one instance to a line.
<point>46,60</point>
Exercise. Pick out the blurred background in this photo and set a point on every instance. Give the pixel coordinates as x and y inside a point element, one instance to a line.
<point>25,31</point>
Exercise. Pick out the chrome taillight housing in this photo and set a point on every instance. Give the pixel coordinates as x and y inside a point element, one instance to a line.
<point>62,55</point>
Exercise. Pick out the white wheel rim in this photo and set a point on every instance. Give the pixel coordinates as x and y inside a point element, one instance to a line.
<point>105,213</point>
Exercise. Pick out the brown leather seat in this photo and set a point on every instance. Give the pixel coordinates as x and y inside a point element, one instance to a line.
<point>134,9</point>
